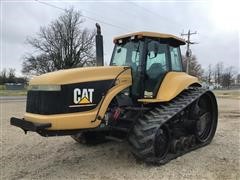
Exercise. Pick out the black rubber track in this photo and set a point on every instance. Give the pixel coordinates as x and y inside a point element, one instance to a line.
<point>142,136</point>
<point>90,138</point>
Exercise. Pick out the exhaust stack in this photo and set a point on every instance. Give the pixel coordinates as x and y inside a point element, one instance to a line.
<point>99,46</point>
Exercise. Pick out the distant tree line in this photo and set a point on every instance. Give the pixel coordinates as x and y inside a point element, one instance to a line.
<point>9,76</point>
<point>215,75</point>
<point>221,76</point>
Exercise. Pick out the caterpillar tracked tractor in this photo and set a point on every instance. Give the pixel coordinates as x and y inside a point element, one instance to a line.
<point>144,97</point>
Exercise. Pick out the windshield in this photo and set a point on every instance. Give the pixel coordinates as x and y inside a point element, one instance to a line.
<point>127,54</point>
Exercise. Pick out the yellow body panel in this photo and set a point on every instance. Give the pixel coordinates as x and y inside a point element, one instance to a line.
<point>80,120</point>
<point>173,84</point>
<point>87,119</point>
<point>77,75</point>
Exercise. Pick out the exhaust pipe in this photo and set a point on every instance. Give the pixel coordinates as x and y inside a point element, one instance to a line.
<point>99,46</point>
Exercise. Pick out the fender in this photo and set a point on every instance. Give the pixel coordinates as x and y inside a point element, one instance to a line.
<point>123,82</point>
<point>172,85</point>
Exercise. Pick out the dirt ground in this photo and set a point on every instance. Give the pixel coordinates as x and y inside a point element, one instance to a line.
<point>34,157</point>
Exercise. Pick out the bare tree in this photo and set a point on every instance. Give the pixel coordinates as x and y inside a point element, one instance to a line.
<point>218,73</point>
<point>61,45</point>
<point>209,74</point>
<point>11,75</point>
<point>238,79</point>
<point>227,77</point>
<point>3,76</point>
<point>195,69</point>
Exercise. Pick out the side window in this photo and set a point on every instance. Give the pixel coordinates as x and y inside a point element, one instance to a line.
<point>156,59</point>
<point>120,56</point>
<point>175,58</point>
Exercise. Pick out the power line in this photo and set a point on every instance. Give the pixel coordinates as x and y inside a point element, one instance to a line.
<point>153,12</point>
<point>104,22</point>
<point>51,5</point>
<point>188,52</point>
<point>88,17</point>
<point>99,16</point>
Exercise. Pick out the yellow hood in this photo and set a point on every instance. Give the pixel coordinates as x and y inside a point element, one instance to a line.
<point>76,75</point>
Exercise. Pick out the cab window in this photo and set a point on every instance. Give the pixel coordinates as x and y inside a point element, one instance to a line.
<point>176,58</point>
<point>156,59</point>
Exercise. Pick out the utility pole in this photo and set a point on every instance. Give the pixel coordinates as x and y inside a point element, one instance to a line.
<point>188,52</point>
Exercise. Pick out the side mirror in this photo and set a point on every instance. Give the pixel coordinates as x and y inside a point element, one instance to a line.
<point>152,55</point>
<point>152,50</point>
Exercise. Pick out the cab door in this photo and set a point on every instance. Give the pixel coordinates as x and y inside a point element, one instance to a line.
<point>157,65</point>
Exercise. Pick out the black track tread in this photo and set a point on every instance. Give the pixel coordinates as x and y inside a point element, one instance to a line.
<point>93,138</point>
<point>142,137</point>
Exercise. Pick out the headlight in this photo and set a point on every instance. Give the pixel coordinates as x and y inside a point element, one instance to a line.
<point>44,88</point>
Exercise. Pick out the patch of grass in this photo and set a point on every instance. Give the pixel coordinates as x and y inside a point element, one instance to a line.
<point>13,92</point>
<point>233,94</point>
<point>2,87</point>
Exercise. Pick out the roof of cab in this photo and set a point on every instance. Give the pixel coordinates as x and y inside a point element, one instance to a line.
<point>152,34</point>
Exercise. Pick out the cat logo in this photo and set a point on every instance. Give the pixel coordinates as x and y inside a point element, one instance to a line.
<point>82,97</point>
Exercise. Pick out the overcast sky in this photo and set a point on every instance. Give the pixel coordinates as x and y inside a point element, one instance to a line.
<point>217,24</point>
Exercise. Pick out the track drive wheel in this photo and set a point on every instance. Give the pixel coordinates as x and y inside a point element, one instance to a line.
<point>149,140</point>
<point>206,112</point>
<point>90,137</point>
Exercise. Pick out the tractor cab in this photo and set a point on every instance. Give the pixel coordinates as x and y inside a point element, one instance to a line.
<point>151,56</point>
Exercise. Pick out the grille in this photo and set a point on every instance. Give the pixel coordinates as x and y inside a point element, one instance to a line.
<point>45,102</point>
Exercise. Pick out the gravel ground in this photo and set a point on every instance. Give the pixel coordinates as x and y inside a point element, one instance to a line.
<point>34,157</point>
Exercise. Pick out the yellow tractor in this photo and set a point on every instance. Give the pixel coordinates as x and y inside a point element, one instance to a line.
<point>144,97</point>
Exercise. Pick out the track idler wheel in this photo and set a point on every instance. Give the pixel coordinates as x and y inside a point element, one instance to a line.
<point>185,141</point>
<point>206,112</point>
<point>176,146</point>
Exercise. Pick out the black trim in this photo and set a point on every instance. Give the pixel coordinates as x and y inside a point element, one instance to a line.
<point>143,68</point>
<point>159,84</point>
<point>179,51</point>
<point>169,62</point>
<point>61,102</point>
<point>29,126</point>
<point>41,128</point>
<point>114,49</point>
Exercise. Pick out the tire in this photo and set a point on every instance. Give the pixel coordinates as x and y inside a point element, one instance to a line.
<point>90,137</point>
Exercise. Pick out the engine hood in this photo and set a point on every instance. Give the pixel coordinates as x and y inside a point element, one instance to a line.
<point>76,75</point>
